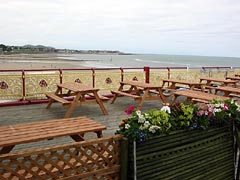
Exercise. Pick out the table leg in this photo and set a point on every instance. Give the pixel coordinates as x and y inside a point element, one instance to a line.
<point>100,103</point>
<point>52,100</point>
<point>164,99</point>
<point>173,86</point>
<point>99,134</point>
<point>174,99</point>
<point>77,137</point>
<point>73,105</point>
<point>6,149</point>
<point>116,95</point>
<point>145,93</point>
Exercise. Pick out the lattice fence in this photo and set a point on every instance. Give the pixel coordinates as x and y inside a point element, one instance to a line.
<point>87,160</point>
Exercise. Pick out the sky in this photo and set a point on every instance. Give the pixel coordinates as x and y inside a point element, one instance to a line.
<point>179,27</point>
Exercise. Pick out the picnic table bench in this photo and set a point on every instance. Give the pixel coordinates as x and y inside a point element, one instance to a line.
<point>140,91</point>
<point>197,96</point>
<point>174,84</point>
<point>79,93</point>
<point>217,82</point>
<point>12,135</point>
<point>211,83</point>
<point>236,78</point>
<point>229,91</point>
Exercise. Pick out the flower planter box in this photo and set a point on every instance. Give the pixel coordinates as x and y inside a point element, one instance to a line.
<point>192,154</point>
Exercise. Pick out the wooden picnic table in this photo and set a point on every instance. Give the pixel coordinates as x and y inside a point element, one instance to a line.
<point>13,135</point>
<point>236,78</point>
<point>140,91</point>
<point>212,81</point>
<point>229,91</point>
<point>174,84</point>
<point>79,92</point>
<point>197,96</point>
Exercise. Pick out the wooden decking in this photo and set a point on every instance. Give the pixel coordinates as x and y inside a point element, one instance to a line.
<point>38,112</point>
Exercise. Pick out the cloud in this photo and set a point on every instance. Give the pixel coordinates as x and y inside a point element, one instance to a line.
<point>136,25</point>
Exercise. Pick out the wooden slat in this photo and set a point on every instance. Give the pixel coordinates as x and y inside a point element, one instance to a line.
<point>185,155</point>
<point>57,98</point>
<point>125,94</point>
<point>194,100</point>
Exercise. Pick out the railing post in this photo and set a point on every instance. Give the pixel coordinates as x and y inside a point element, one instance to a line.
<point>169,73</point>
<point>147,74</point>
<point>93,77</point>
<point>60,76</point>
<point>121,73</point>
<point>23,86</point>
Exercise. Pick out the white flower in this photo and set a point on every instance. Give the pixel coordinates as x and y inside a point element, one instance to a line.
<point>153,129</point>
<point>166,109</point>
<point>146,124</point>
<point>217,110</point>
<point>127,126</point>
<point>141,119</point>
<point>138,112</point>
<point>238,107</point>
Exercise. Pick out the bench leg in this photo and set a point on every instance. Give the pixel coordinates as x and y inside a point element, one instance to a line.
<point>52,100</point>
<point>100,103</point>
<point>78,137</point>
<point>50,103</point>
<point>99,134</point>
<point>114,98</point>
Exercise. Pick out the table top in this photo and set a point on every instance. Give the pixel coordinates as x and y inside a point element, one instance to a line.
<point>217,80</point>
<point>140,84</point>
<point>76,87</point>
<point>181,81</point>
<point>200,95</point>
<point>228,88</point>
<point>41,130</point>
<point>234,78</point>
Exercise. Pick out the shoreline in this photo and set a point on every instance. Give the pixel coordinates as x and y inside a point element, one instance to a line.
<point>38,61</point>
<point>70,61</point>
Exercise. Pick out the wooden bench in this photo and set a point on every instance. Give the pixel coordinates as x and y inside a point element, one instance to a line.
<point>197,96</point>
<point>103,98</point>
<point>195,100</point>
<point>125,94</point>
<point>58,98</point>
<point>44,130</point>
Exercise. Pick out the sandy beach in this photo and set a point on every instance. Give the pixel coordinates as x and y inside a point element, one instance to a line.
<point>37,61</point>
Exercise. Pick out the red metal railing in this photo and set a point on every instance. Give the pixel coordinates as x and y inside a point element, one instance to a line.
<point>146,71</point>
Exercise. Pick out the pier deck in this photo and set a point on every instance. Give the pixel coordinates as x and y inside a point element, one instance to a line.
<point>38,112</point>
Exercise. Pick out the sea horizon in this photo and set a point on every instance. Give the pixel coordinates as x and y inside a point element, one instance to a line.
<point>151,60</point>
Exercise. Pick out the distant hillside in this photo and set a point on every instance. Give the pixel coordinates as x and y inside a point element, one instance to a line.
<point>29,46</point>
<point>31,49</point>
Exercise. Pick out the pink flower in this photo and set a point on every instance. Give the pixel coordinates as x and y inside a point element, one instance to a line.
<point>226,107</point>
<point>200,113</point>
<point>129,110</point>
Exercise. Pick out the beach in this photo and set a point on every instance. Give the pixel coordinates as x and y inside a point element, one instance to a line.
<point>36,61</point>
<point>75,60</point>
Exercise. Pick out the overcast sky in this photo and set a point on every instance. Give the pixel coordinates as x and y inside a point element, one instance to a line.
<point>188,27</point>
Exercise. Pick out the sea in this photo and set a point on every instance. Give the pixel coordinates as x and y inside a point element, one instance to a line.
<point>151,60</point>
